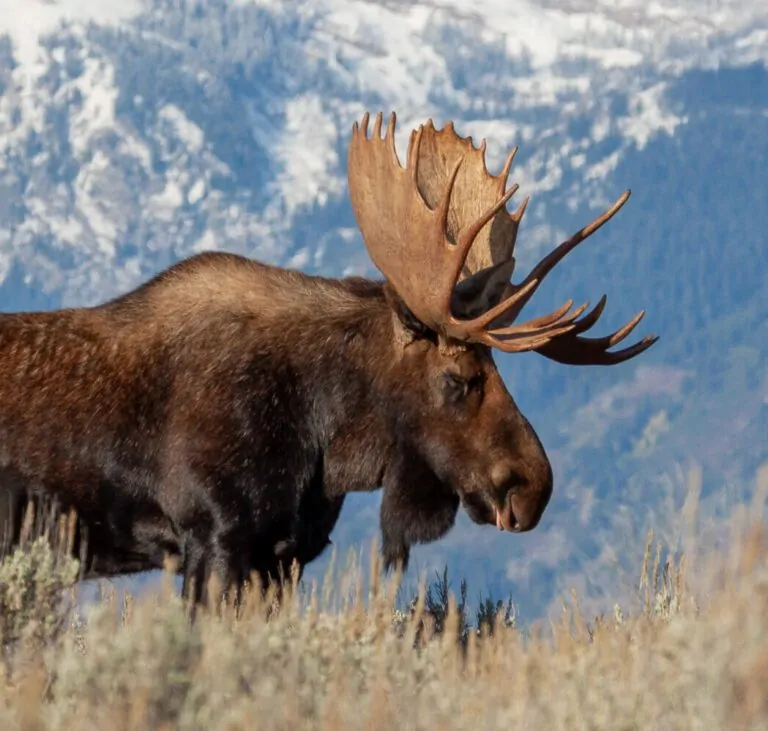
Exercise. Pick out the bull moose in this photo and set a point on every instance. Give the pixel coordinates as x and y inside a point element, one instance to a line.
<point>221,411</point>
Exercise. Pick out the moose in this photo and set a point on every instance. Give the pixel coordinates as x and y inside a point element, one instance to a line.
<point>221,411</point>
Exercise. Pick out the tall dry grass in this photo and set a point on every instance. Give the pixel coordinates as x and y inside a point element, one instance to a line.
<point>694,656</point>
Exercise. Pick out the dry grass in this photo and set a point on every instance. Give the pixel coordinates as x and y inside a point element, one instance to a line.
<point>695,656</point>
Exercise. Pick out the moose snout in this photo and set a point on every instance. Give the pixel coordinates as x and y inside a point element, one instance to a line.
<point>521,496</point>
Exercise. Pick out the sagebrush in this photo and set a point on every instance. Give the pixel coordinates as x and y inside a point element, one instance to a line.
<point>343,657</point>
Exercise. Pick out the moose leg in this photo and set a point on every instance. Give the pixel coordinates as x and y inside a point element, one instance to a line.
<point>218,559</point>
<point>415,508</point>
<point>11,505</point>
<point>193,572</point>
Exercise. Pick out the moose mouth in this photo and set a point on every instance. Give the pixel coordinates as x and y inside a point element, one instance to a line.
<point>483,511</point>
<point>506,519</point>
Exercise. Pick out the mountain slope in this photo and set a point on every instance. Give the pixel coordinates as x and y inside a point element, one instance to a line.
<point>133,138</point>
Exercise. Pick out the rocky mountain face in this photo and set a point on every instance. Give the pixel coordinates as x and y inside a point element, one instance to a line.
<point>132,137</point>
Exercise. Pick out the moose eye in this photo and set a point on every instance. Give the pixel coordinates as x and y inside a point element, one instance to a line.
<point>457,387</point>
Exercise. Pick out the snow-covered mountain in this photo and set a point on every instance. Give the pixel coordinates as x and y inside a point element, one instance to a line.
<point>137,133</point>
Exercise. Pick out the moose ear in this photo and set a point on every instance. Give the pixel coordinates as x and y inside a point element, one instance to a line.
<point>409,321</point>
<point>482,290</point>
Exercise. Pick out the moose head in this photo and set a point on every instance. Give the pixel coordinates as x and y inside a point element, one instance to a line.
<point>439,231</point>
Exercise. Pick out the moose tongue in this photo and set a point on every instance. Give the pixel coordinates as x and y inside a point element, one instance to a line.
<point>504,518</point>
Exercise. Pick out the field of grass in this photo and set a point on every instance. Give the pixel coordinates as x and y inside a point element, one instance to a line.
<point>692,654</point>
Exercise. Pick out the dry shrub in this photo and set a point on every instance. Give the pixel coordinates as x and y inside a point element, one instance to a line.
<point>33,604</point>
<point>339,657</point>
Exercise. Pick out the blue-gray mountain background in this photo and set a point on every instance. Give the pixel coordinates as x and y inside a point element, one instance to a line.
<point>136,135</point>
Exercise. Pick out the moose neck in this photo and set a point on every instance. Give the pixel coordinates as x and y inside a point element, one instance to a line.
<point>331,340</point>
<point>346,377</point>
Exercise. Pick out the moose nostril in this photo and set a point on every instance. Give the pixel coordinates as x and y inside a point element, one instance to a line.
<point>504,476</point>
<point>506,479</point>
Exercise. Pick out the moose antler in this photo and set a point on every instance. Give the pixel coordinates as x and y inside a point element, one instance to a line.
<point>440,232</point>
<point>406,238</point>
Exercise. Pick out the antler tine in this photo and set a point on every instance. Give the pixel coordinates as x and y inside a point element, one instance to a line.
<point>548,263</point>
<point>592,317</point>
<point>538,321</point>
<point>557,318</point>
<point>572,349</point>
<point>504,174</point>
<point>390,135</point>
<point>588,353</point>
<point>568,347</point>
<point>517,216</point>
<point>535,332</point>
<point>467,237</point>
<point>555,327</point>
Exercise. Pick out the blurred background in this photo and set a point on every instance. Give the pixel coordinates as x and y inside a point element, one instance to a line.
<point>138,133</point>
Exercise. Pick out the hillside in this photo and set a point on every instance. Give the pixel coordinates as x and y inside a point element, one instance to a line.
<point>132,138</point>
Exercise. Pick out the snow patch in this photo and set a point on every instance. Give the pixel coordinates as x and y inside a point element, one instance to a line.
<point>306,155</point>
<point>187,131</point>
<point>647,116</point>
<point>90,203</point>
<point>593,421</point>
<point>27,21</point>
<point>196,192</point>
<point>97,111</point>
<point>163,205</point>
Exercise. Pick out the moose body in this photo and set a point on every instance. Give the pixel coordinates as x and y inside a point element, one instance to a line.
<point>226,407</point>
<point>221,411</point>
